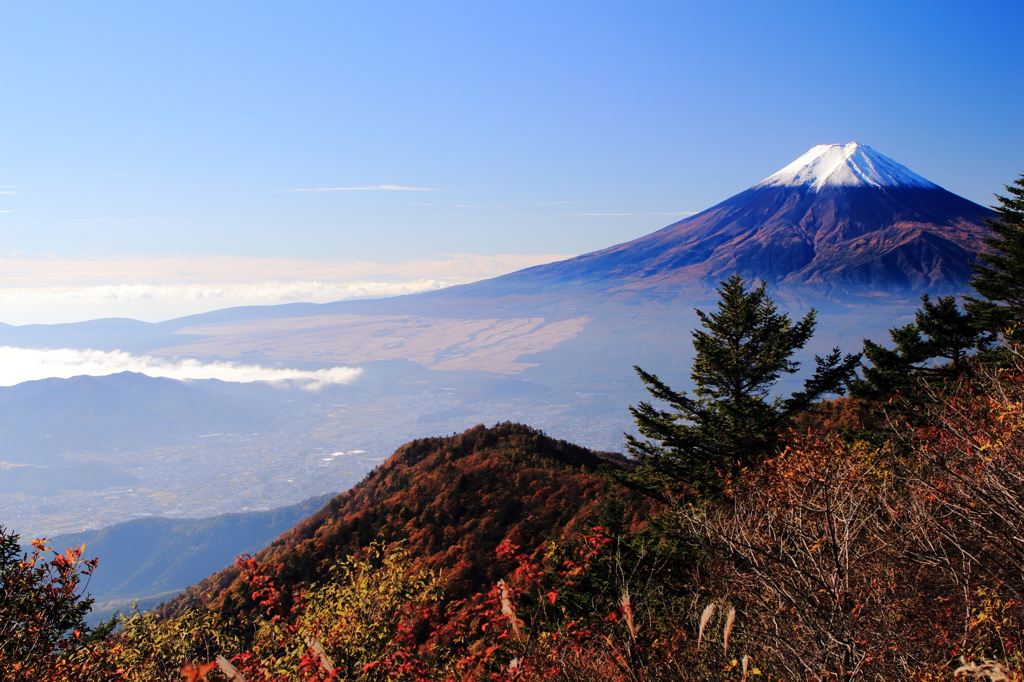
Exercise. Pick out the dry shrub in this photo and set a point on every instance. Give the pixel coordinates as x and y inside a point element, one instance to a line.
<point>858,561</point>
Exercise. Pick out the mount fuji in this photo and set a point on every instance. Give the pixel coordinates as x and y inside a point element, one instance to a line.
<point>841,219</point>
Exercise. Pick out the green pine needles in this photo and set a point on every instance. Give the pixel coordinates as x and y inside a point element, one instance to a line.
<point>999,278</point>
<point>934,347</point>
<point>702,442</point>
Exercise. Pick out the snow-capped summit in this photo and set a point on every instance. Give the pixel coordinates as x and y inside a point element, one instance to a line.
<point>844,165</point>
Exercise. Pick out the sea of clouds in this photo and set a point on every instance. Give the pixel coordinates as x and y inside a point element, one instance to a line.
<point>153,288</point>
<point>155,302</point>
<point>27,364</point>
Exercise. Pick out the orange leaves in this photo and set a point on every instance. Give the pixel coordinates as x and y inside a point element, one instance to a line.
<point>586,553</point>
<point>263,588</point>
<point>195,673</point>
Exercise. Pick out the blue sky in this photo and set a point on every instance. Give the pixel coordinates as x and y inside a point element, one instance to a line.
<point>164,145</point>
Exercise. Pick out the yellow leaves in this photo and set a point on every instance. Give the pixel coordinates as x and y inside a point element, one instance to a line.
<point>357,613</point>
<point>152,649</point>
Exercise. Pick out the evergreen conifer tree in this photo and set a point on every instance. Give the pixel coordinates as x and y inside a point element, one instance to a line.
<point>744,348</point>
<point>999,278</point>
<point>941,330</point>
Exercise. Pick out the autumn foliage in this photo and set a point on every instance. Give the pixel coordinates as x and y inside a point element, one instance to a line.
<point>882,542</point>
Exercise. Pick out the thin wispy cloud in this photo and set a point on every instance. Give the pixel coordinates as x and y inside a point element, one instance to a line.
<point>28,364</point>
<point>17,270</point>
<point>281,292</point>
<point>619,214</point>
<point>387,188</point>
<point>551,203</point>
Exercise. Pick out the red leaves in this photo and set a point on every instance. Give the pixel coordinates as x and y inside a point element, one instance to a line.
<point>586,553</point>
<point>264,591</point>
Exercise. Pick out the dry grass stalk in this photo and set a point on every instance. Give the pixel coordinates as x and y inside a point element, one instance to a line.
<point>229,670</point>
<point>627,612</point>
<point>507,609</point>
<point>325,661</point>
<point>990,670</point>
<point>746,665</point>
<point>727,630</point>
<point>709,611</point>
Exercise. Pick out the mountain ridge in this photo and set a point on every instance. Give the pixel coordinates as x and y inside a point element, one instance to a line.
<point>451,500</point>
<point>841,224</point>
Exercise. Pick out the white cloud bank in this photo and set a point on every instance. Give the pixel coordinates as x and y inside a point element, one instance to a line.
<point>52,290</point>
<point>456,268</point>
<point>28,364</point>
<point>154,302</point>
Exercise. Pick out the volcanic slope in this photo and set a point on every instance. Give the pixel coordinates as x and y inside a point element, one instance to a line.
<point>841,219</point>
<point>452,500</point>
<point>842,229</point>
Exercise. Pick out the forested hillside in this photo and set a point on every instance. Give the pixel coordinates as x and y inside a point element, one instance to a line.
<point>451,501</point>
<point>881,542</point>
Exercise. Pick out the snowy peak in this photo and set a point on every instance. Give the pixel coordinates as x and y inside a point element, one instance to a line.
<point>844,165</point>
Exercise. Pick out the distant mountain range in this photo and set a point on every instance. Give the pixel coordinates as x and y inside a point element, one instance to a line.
<point>44,423</point>
<point>152,559</point>
<point>843,228</point>
<point>840,221</point>
<point>43,419</point>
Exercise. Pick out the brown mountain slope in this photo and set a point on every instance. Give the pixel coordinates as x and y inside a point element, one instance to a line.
<point>452,499</point>
<point>838,240</point>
